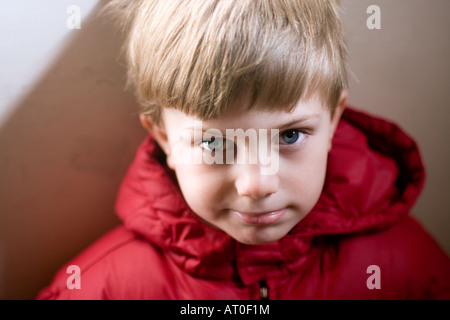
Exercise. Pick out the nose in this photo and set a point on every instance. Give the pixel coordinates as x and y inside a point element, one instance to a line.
<point>250,182</point>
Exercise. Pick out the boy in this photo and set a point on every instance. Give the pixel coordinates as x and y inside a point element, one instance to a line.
<point>255,181</point>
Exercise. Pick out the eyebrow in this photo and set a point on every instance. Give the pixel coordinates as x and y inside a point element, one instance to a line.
<point>296,121</point>
<point>299,120</point>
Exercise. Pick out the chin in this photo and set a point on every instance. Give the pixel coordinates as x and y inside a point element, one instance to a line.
<point>258,237</point>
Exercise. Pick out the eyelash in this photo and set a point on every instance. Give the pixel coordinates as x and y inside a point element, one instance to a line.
<point>303,135</point>
<point>212,140</point>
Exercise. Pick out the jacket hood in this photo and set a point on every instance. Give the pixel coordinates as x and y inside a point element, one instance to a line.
<point>374,177</point>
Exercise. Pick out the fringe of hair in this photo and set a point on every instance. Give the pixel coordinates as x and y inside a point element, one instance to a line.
<point>201,57</point>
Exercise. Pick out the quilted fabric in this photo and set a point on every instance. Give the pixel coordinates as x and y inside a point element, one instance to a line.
<point>164,251</point>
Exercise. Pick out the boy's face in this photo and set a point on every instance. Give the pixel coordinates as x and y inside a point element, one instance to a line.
<point>244,199</point>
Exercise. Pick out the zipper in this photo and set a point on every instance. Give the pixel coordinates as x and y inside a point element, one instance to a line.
<point>263,290</point>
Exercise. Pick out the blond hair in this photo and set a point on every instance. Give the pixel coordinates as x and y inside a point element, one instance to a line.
<point>200,56</point>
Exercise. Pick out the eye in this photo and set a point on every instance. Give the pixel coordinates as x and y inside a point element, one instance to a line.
<point>291,136</point>
<point>212,144</point>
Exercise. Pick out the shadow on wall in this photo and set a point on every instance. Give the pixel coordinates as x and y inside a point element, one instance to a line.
<point>64,151</point>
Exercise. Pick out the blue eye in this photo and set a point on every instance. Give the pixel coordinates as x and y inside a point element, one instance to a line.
<point>291,136</point>
<point>213,144</point>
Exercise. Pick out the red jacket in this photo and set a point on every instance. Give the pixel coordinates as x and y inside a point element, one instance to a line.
<point>163,251</point>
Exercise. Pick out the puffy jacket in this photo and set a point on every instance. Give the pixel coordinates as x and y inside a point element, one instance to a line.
<point>357,243</point>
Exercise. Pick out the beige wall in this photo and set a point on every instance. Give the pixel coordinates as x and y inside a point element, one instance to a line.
<point>64,147</point>
<point>402,72</point>
<point>66,142</point>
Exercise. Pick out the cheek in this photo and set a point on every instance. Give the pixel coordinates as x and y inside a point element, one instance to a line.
<point>190,184</point>
<point>306,175</point>
<point>199,189</point>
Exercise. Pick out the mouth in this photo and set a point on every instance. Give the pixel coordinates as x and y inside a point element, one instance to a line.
<point>260,218</point>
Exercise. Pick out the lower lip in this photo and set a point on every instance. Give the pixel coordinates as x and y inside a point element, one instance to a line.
<point>261,219</point>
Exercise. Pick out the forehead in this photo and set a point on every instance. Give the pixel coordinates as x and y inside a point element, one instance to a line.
<point>239,117</point>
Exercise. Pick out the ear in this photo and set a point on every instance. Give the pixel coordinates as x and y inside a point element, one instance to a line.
<point>337,116</point>
<point>159,133</point>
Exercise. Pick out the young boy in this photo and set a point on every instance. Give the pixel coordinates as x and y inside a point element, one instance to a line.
<point>254,182</point>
